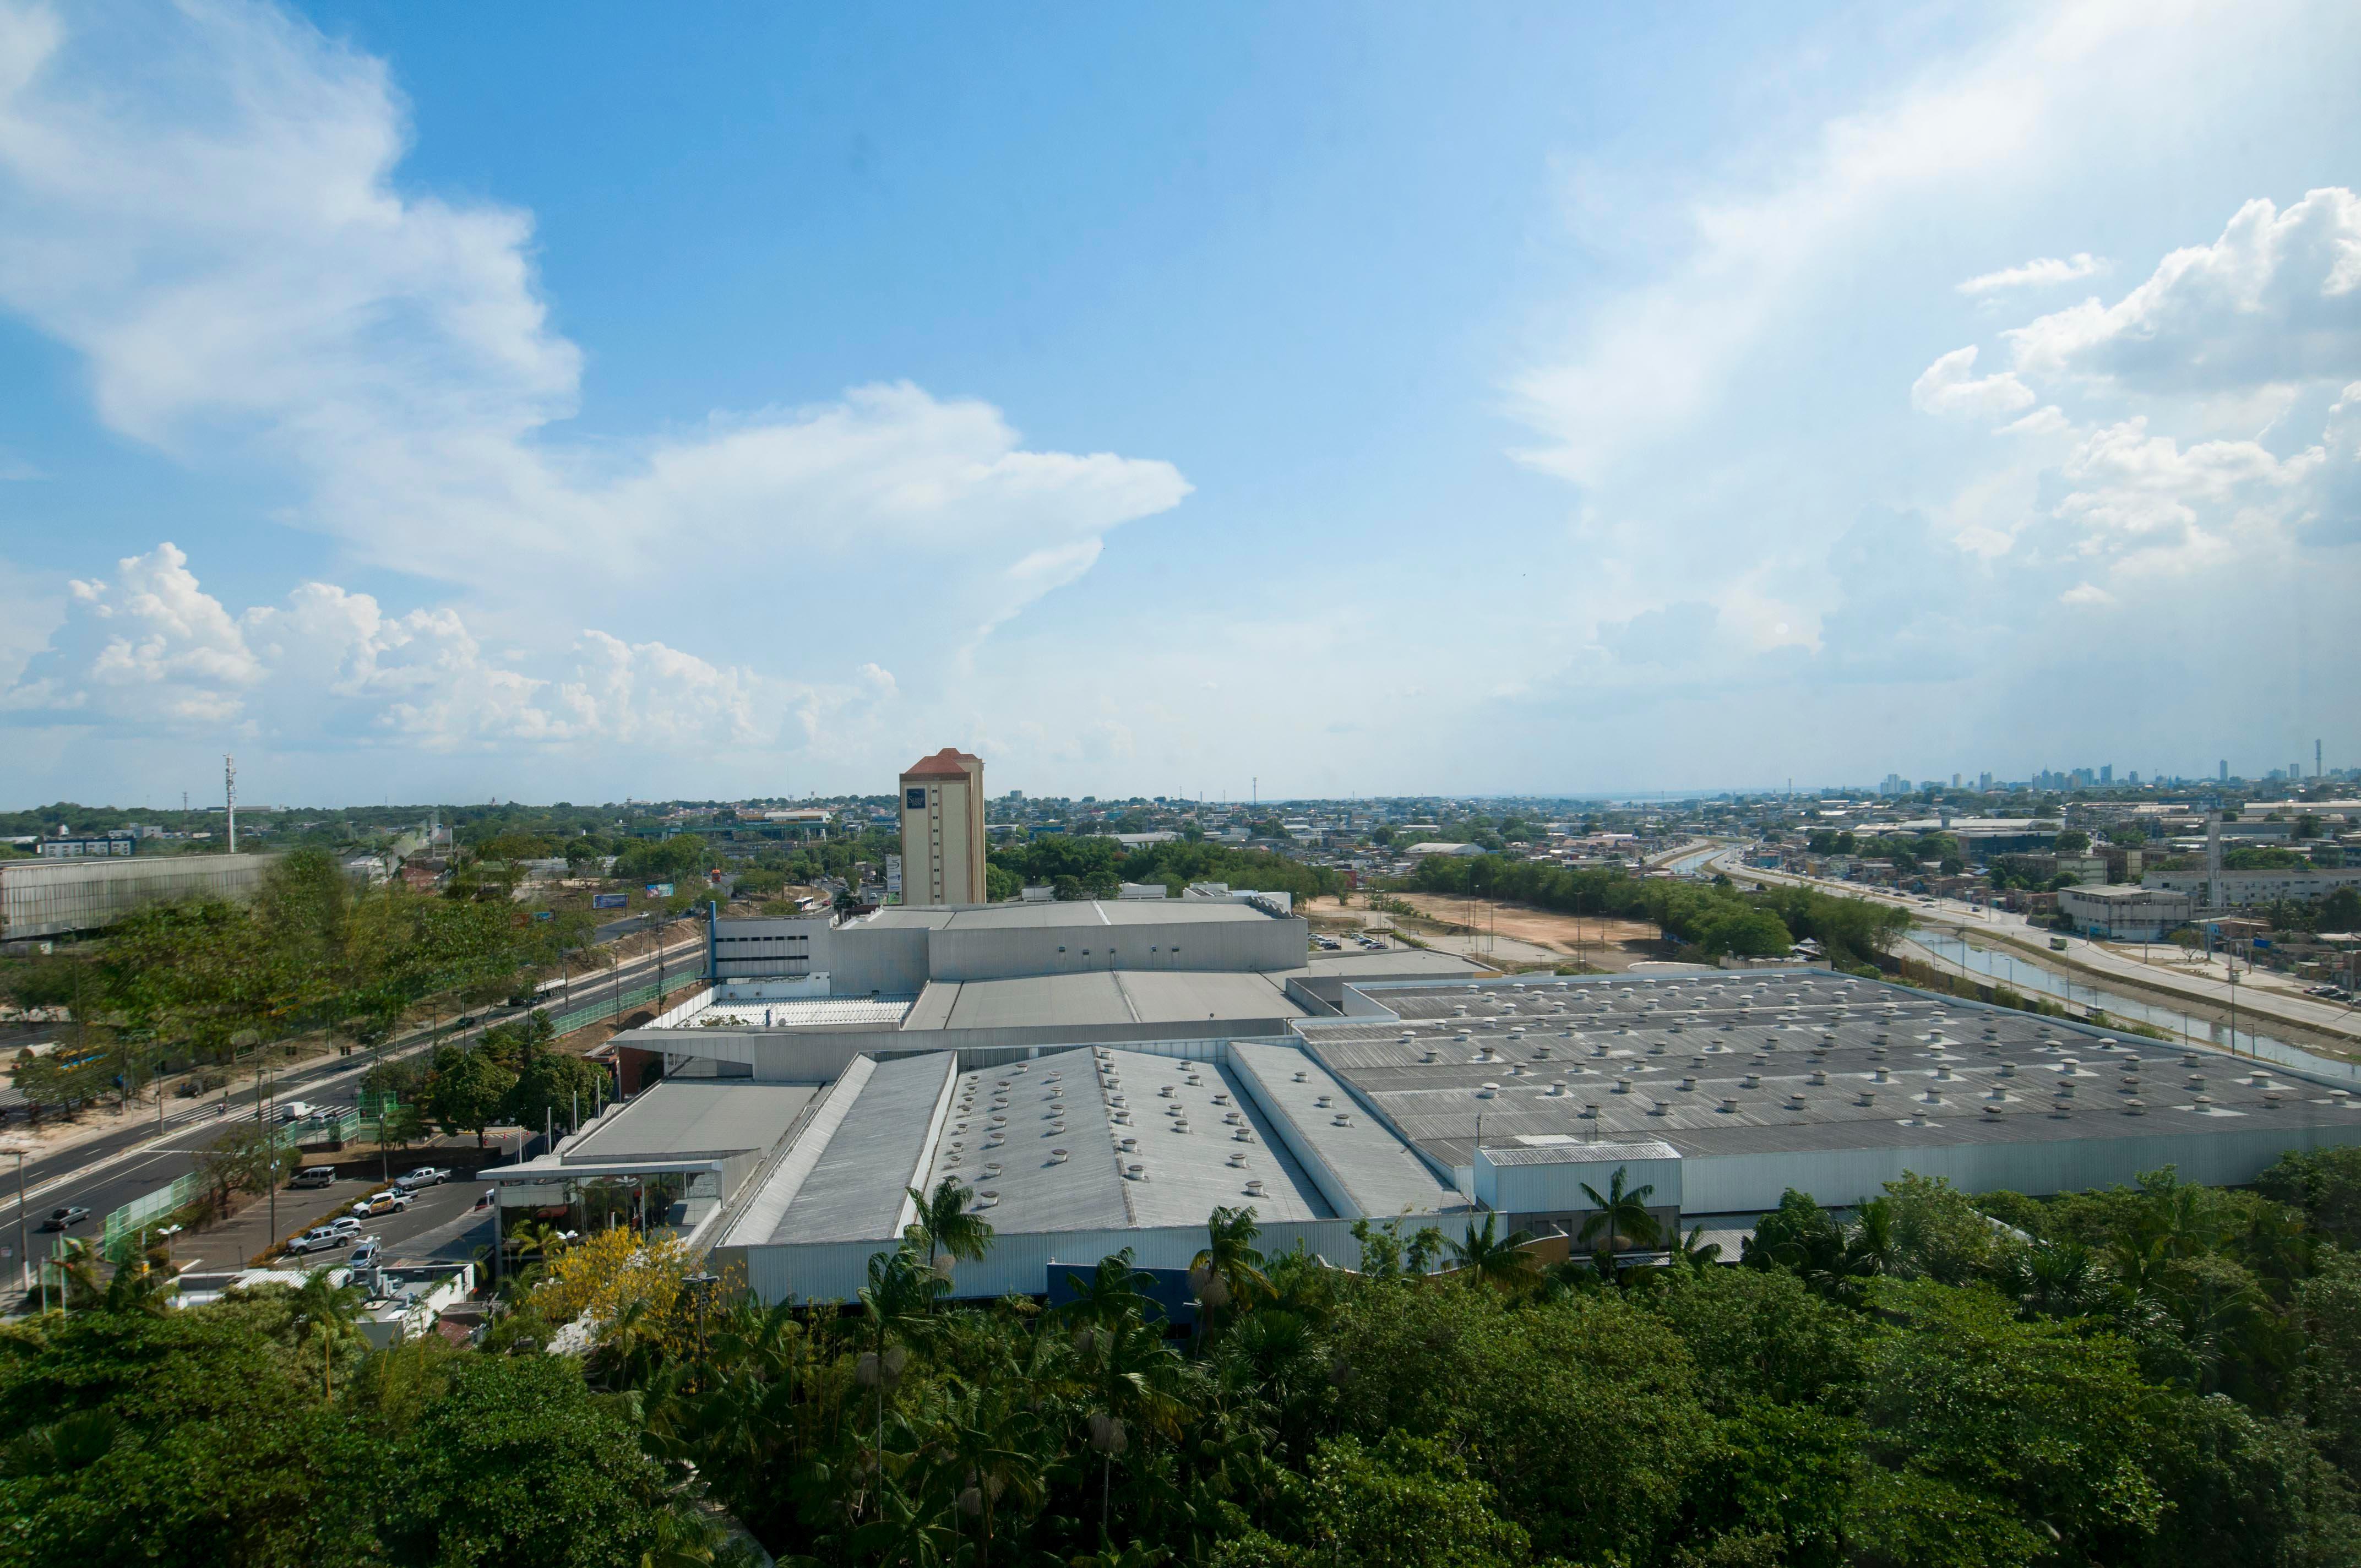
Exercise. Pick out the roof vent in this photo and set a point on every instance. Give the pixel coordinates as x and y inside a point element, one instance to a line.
<point>1244,1134</point>
<point>1664,1108</point>
<point>1622,1086</point>
<point>1135,1172</point>
<point>1590,1110</point>
<point>1488,1091</point>
<point>1300,1077</point>
<point>1819,1075</point>
<point>1341,1120</point>
<point>1057,1157</point>
<point>1865,1096</point>
<point>1795,1101</point>
<point>1239,1161</point>
<point>1127,1144</point>
<point>1254,1188</point>
<point>1557,1086</point>
<point>2008,1070</point>
<point>1320,1101</point>
<point>1689,1082</point>
<point>1751,1080</point>
<point>2135,1108</point>
<point>1729,1107</point>
<point>2205,1105</point>
<point>986,1200</point>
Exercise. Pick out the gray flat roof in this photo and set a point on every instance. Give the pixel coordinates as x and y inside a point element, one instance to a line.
<point>1047,1140</point>
<point>855,1190</point>
<point>685,1116</point>
<point>1378,1174</point>
<point>1100,996</point>
<point>1076,913</point>
<point>1660,1058</point>
<point>1394,963</point>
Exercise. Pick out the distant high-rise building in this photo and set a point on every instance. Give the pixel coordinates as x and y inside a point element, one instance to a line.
<point>1983,779</point>
<point>1955,780</point>
<point>2107,773</point>
<point>2225,769</point>
<point>942,831</point>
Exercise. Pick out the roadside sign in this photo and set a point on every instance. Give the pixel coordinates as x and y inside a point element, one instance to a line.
<point>610,900</point>
<point>659,890</point>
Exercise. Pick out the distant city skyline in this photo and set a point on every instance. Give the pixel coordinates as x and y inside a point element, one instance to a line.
<point>1517,402</point>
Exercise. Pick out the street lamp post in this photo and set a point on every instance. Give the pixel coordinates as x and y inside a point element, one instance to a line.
<point>24,1249</point>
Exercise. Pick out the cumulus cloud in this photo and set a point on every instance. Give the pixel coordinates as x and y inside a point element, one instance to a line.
<point>2086,594</point>
<point>1950,386</point>
<point>149,651</point>
<point>2039,273</point>
<point>2276,299</point>
<point>230,251</point>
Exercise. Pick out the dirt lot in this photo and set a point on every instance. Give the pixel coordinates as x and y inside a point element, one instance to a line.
<point>1586,935</point>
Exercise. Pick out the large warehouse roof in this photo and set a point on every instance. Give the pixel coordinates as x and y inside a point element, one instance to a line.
<point>1719,1064</point>
<point>1080,914</point>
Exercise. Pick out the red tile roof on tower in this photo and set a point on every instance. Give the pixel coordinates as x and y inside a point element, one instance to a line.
<point>943,764</point>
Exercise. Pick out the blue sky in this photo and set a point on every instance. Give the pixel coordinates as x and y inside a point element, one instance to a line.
<point>468,403</point>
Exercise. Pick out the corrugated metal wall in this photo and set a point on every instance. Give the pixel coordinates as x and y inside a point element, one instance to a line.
<point>1018,1265</point>
<point>51,898</point>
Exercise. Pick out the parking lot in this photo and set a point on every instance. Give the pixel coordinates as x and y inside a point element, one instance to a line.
<point>441,1222</point>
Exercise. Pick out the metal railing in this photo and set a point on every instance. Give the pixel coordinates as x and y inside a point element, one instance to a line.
<point>597,1012</point>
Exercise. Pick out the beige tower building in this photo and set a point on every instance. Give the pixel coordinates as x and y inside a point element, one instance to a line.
<point>942,831</point>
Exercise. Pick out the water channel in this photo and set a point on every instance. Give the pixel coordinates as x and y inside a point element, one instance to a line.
<point>2031,979</point>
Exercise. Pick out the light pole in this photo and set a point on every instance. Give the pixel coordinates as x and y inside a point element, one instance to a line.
<point>24,1249</point>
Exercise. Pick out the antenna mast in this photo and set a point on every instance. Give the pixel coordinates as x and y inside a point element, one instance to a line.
<point>229,796</point>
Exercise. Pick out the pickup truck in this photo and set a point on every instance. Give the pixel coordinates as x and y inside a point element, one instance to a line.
<point>319,1238</point>
<point>423,1176</point>
<point>393,1201</point>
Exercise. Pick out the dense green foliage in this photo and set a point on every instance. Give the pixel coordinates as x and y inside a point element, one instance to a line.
<point>2158,1375</point>
<point>1712,917</point>
<point>204,979</point>
<point>1092,866</point>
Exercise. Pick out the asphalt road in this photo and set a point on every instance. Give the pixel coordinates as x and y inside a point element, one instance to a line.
<point>105,1173</point>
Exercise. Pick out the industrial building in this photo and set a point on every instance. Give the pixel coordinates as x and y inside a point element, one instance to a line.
<point>40,898</point>
<point>2127,914</point>
<point>2238,889</point>
<point>1112,1099</point>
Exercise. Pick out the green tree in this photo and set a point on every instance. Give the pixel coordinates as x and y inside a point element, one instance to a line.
<point>247,1156</point>
<point>1402,1502</point>
<point>467,1090</point>
<point>1488,1257</point>
<point>516,1462</point>
<point>326,1311</point>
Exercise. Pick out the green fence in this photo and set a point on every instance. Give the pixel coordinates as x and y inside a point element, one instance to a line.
<point>597,1012</point>
<point>123,1226</point>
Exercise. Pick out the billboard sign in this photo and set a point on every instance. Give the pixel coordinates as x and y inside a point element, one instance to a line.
<point>659,890</point>
<point>610,900</point>
<point>893,879</point>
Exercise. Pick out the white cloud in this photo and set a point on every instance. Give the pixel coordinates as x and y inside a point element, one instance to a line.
<point>2040,272</point>
<point>1654,358</point>
<point>1950,386</point>
<point>2087,595</point>
<point>229,250</point>
<point>150,651</point>
<point>2276,299</point>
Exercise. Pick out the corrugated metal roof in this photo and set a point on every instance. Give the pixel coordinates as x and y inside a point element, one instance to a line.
<point>685,1116</point>
<point>856,1189</point>
<point>1378,1176</point>
<point>1659,1060</point>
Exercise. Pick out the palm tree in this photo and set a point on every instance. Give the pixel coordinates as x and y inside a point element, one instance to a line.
<point>946,1228</point>
<point>327,1309</point>
<point>1695,1255</point>
<point>1228,1268</point>
<point>1495,1260</point>
<point>1622,1216</point>
<point>1112,1296</point>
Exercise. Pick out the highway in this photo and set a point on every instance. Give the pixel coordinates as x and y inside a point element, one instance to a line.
<point>101,1173</point>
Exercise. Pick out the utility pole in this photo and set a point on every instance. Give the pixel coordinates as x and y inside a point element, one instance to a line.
<point>24,1251</point>
<point>229,796</point>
